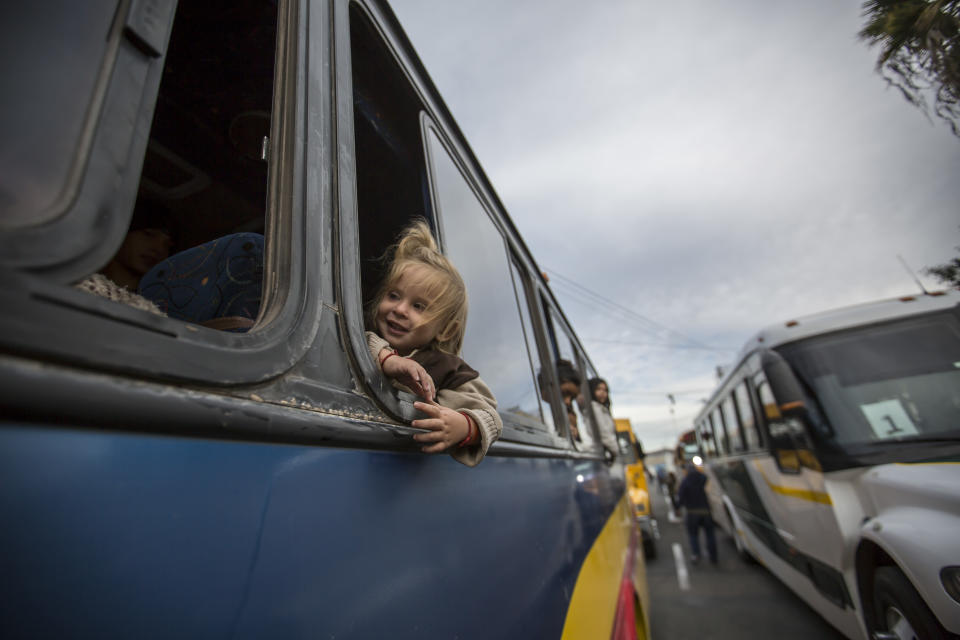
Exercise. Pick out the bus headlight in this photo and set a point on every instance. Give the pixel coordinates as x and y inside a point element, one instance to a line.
<point>950,577</point>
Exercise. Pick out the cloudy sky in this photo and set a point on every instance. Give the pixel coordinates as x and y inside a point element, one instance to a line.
<point>690,172</point>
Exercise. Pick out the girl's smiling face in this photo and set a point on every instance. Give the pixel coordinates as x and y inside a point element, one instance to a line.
<point>401,314</point>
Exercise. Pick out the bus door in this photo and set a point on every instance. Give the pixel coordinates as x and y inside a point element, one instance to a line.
<point>800,507</point>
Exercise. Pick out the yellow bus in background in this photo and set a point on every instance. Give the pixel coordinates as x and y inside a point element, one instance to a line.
<point>632,455</point>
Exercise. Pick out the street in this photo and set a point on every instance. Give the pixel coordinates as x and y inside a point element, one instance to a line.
<point>731,600</point>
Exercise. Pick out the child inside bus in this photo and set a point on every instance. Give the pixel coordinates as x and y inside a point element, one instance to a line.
<point>149,241</point>
<point>418,317</point>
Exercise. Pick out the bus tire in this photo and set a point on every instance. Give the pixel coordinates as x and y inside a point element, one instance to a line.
<point>899,610</point>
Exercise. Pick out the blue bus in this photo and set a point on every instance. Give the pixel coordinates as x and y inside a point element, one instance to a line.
<point>243,469</point>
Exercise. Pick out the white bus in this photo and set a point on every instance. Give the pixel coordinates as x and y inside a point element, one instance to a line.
<point>833,450</point>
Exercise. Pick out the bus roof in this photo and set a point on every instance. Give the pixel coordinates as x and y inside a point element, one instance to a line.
<point>836,319</point>
<point>846,317</point>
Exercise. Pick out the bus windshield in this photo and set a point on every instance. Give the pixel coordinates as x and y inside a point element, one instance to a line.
<point>895,382</point>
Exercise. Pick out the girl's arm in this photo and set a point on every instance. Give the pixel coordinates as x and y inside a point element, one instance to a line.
<point>475,399</point>
<point>404,370</point>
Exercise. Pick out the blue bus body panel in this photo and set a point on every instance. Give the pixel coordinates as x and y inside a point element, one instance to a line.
<point>130,535</point>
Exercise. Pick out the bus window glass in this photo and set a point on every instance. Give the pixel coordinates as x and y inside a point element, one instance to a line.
<point>732,425</point>
<point>705,430</point>
<point>391,177</point>
<point>494,341</point>
<point>51,63</point>
<point>720,429</point>
<point>745,409</point>
<point>535,405</point>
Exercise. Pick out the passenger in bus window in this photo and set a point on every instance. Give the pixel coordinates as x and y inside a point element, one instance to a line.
<point>149,241</point>
<point>600,403</point>
<point>574,427</point>
<point>570,392</point>
<point>569,382</point>
<point>418,318</point>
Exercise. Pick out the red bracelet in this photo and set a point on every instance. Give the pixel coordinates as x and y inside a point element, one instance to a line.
<point>470,430</point>
<point>386,357</point>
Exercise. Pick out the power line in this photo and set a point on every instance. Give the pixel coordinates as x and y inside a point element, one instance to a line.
<point>656,344</point>
<point>685,392</point>
<point>631,313</point>
<point>593,303</point>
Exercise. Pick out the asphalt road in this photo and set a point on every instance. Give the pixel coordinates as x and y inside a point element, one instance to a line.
<point>732,600</point>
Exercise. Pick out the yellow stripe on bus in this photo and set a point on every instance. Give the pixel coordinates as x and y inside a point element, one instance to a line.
<point>801,494</point>
<point>593,604</point>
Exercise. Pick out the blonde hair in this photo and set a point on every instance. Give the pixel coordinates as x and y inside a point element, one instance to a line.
<point>417,247</point>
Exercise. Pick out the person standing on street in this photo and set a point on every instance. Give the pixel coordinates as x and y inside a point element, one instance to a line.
<point>693,498</point>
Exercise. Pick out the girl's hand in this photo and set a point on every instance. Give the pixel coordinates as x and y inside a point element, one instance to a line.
<point>447,427</point>
<point>410,373</point>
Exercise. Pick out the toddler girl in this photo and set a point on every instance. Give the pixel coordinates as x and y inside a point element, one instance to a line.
<point>419,315</point>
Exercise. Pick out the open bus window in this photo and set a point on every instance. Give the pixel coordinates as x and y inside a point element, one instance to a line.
<point>204,177</point>
<point>574,389</point>
<point>392,187</point>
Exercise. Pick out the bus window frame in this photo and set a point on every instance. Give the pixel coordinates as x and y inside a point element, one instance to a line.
<point>55,320</point>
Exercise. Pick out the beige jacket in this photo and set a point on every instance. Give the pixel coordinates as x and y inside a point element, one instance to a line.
<point>473,398</point>
<point>607,427</point>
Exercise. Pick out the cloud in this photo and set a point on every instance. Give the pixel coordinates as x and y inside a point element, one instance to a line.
<point>715,167</point>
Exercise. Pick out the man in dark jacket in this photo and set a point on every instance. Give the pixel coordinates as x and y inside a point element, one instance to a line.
<point>693,498</point>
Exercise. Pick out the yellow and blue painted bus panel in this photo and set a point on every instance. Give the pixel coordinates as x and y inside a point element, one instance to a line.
<point>149,535</point>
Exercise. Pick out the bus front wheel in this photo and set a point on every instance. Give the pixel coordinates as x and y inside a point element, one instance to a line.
<point>898,610</point>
